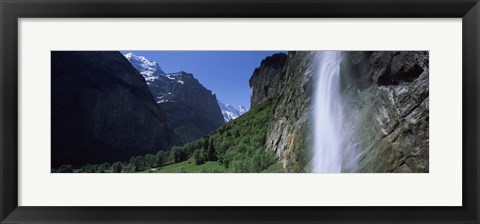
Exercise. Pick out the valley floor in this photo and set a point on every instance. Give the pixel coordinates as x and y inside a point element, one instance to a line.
<point>189,166</point>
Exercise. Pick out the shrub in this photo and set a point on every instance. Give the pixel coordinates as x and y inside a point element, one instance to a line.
<point>161,158</point>
<point>117,167</point>
<point>65,169</point>
<point>178,154</point>
<point>199,156</point>
<point>150,161</point>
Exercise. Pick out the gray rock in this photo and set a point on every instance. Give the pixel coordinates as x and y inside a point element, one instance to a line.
<point>385,98</point>
<point>288,80</point>
<point>267,80</point>
<point>392,114</point>
<point>192,110</point>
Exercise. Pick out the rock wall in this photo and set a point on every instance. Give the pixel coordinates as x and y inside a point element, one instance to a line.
<point>291,135</point>
<point>192,110</point>
<point>102,110</point>
<point>385,99</point>
<point>288,80</point>
<point>268,79</point>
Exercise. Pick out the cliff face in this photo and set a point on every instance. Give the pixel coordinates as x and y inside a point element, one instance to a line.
<point>288,80</point>
<point>192,110</point>
<point>102,110</point>
<point>268,79</point>
<point>390,111</point>
<point>384,98</point>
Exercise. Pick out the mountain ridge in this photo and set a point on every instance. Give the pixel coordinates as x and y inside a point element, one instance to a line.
<point>192,109</point>
<point>231,112</point>
<point>150,70</point>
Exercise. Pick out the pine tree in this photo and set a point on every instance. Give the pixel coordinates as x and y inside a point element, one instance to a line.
<point>117,167</point>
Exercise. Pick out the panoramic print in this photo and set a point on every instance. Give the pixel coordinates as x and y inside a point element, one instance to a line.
<point>240,111</point>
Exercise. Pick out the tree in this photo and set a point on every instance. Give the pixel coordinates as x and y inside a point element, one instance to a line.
<point>131,165</point>
<point>101,168</point>
<point>199,156</point>
<point>189,148</point>
<point>136,164</point>
<point>236,133</point>
<point>89,168</point>
<point>107,166</point>
<point>222,149</point>
<point>160,158</point>
<point>139,163</point>
<point>65,169</point>
<point>211,154</point>
<point>117,167</point>
<point>178,154</point>
<point>83,169</point>
<point>150,161</point>
<point>205,143</point>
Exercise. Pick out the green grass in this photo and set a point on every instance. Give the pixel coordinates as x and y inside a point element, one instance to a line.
<point>189,166</point>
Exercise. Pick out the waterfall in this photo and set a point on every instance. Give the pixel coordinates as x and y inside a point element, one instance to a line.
<point>328,116</point>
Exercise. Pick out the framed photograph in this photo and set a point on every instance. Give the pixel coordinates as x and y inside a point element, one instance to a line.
<point>276,111</point>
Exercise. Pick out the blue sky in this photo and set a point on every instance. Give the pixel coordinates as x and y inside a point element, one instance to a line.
<point>226,73</point>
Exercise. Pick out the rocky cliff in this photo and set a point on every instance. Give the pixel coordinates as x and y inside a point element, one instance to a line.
<point>288,80</point>
<point>102,110</point>
<point>192,110</point>
<point>384,98</point>
<point>267,80</point>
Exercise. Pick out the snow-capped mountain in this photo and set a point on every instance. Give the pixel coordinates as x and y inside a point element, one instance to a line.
<point>149,69</point>
<point>191,109</point>
<point>170,87</point>
<point>231,112</point>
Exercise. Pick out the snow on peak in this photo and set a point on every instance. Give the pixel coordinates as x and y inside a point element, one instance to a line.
<point>231,112</point>
<point>149,69</point>
<point>129,55</point>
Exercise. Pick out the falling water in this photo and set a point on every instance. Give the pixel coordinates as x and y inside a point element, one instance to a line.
<point>328,115</point>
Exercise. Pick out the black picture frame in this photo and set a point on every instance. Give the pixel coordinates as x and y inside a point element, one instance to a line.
<point>12,10</point>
